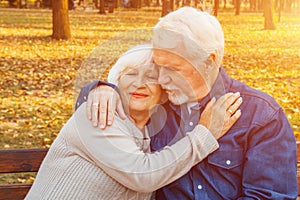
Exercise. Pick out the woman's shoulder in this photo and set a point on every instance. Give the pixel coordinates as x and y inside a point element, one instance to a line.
<point>119,125</point>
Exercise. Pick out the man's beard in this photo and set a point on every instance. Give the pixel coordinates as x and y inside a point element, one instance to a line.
<point>177,98</point>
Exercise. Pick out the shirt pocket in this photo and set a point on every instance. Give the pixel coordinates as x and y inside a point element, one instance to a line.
<point>227,159</point>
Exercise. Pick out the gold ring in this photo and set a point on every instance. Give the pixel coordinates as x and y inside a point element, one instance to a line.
<point>230,111</point>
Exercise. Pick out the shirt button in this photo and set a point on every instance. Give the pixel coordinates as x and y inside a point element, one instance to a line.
<point>200,187</point>
<point>191,123</point>
<point>77,103</point>
<point>228,162</point>
<point>84,97</point>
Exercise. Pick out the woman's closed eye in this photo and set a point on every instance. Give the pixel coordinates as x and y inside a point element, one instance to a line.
<point>131,73</point>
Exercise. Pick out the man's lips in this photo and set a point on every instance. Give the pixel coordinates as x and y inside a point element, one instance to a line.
<point>138,95</point>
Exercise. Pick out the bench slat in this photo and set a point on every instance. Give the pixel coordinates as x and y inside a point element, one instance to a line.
<point>21,160</point>
<point>14,191</point>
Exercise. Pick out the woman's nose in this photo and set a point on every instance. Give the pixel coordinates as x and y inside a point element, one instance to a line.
<point>139,81</point>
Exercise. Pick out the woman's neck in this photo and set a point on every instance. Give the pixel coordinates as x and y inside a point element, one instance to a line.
<point>140,118</point>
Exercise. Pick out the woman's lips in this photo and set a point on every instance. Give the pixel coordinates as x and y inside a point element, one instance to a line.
<point>138,95</point>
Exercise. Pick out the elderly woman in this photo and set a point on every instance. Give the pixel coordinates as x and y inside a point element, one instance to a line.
<point>85,162</point>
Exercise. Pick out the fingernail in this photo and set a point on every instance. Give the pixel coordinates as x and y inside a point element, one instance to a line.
<point>101,126</point>
<point>237,93</point>
<point>94,123</point>
<point>213,99</point>
<point>109,122</point>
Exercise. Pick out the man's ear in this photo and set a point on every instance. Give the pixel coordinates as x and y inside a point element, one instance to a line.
<point>211,61</point>
<point>213,57</point>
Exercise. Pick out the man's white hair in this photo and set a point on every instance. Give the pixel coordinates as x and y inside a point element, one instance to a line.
<point>191,33</point>
<point>137,56</point>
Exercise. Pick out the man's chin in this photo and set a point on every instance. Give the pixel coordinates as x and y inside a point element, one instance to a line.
<point>178,100</point>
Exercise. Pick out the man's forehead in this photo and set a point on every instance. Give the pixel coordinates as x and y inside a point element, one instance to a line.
<point>167,58</point>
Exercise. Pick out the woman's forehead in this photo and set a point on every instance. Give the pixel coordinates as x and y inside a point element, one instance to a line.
<point>142,67</point>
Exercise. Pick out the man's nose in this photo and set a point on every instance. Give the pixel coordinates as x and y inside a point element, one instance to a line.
<point>163,77</point>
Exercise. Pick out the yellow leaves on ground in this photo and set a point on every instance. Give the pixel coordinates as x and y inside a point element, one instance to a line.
<point>37,74</point>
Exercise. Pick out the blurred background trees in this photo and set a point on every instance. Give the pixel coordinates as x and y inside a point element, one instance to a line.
<point>60,8</point>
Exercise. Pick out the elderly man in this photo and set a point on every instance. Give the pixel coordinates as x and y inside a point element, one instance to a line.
<point>256,158</point>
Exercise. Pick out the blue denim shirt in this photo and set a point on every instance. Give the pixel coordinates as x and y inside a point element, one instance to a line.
<point>256,158</point>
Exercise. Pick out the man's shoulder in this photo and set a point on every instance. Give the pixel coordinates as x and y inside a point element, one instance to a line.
<point>258,107</point>
<point>255,97</point>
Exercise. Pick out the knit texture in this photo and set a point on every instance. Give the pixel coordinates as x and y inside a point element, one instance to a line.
<point>87,163</point>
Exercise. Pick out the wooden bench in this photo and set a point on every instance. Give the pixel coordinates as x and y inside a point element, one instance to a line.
<point>19,160</point>
<point>29,160</point>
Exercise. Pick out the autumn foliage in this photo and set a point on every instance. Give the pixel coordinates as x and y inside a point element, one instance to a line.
<point>37,74</point>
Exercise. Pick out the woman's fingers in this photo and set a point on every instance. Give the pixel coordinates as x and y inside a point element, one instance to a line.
<point>101,105</point>
<point>219,116</point>
<point>234,106</point>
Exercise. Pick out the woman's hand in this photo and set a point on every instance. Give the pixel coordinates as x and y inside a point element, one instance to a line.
<point>102,104</point>
<point>219,116</point>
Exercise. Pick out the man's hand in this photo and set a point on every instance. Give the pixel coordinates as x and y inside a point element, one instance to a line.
<point>102,104</point>
<point>219,116</point>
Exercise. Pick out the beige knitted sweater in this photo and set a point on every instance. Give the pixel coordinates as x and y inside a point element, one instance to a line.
<point>87,163</point>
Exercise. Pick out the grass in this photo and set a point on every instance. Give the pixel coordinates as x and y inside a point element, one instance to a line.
<point>38,74</point>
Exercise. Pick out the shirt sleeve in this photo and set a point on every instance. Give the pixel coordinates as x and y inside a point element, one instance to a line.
<point>84,92</point>
<point>115,151</point>
<point>270,167</point>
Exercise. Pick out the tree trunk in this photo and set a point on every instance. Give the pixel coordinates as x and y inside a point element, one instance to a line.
<point>60,20</point>
<point>268,15</point>
<point>280,8</point>
<point>237,7</point>
<point>166,7</point>
<point>216,7</point>
<point>102,7</point>
<point>147,3</point>
<point>111,6</point>
<point>96,3</point>
<point>288,5</point>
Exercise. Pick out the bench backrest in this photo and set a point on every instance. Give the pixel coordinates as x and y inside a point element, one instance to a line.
<point>19,160</point>
<point>29,160</point>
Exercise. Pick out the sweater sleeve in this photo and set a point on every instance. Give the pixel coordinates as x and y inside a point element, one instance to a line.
<point>115,151</point>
